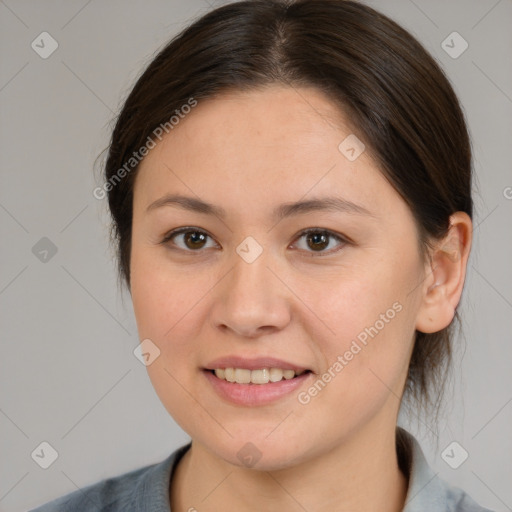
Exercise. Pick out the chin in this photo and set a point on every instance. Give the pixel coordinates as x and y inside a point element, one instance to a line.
<point>259,454</point>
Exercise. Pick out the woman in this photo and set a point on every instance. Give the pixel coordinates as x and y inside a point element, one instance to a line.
<point>290,188</point>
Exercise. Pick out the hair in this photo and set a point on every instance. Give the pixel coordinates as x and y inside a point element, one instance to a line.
<point>393,92</point>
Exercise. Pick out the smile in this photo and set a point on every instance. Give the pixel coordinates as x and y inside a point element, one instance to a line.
<point>243,391</point>
<point>258,376</point>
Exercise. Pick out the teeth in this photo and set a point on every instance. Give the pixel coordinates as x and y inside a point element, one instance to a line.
<point>263,376</point>
<point>242,376</point>
<point>258,376</point>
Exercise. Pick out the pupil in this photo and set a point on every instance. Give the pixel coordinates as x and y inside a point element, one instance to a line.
<point>195,238</point>
<point>318,239</point>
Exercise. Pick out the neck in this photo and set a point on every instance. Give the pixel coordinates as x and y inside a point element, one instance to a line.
<point>361,475</point>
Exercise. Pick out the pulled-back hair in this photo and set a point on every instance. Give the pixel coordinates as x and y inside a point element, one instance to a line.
<point>394,94</point>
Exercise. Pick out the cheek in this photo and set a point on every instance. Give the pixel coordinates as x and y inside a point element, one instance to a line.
<point>161,296</point>
<point>163,302</point>
<point>169,303</point>
<point>372,315</point>
<point>366,360</point>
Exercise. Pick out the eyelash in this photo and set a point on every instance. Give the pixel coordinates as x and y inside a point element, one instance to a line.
<point>343,240</point>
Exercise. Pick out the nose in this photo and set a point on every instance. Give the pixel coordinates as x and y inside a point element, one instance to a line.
<point>251,300</point>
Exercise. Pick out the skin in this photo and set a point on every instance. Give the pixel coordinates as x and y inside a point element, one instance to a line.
<point>293,302</point>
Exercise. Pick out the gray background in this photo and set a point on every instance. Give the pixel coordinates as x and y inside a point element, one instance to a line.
<point>68,375</point>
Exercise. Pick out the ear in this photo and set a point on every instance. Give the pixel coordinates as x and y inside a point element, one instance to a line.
<point>446,272</point>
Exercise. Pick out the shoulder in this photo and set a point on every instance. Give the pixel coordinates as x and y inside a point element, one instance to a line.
<point>426,491</point>
<point>109,494</point>
<point>453,499</point>
<point>145,488</point>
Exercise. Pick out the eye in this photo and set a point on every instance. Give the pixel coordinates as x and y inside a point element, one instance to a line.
<point>317,240</point>
<point>320,239</point>
<point>192,239</point>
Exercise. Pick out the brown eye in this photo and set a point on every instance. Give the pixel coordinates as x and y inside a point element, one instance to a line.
<point>317,240</point>
<point>187,239</point>
<point>194,239</point>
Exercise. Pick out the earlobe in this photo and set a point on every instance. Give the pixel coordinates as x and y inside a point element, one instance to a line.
<point>445,276</point>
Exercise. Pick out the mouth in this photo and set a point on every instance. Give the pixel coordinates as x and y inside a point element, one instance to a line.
<point>258,376</point>
<point>257,386</point>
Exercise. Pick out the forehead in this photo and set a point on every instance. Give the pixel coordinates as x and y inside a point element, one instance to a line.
<point>260,147</point>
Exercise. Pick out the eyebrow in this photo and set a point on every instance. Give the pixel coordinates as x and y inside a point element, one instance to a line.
<point>330,204</point>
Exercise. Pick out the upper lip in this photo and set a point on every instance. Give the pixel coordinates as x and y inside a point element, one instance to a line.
<point>255,363</point>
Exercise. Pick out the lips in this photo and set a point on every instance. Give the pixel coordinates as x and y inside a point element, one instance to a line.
<point>252,395</point>
<point>253,363</point>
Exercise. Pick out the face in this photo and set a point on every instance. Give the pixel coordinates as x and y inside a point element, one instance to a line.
<point>340,301</point>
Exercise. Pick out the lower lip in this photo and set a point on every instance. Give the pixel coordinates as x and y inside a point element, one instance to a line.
<point>255,394</point>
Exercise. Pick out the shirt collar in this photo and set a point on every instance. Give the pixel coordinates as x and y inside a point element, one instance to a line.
<point>425,490</point>
<point>151,493</point>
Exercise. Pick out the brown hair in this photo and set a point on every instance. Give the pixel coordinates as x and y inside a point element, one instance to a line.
<point>399,101</point>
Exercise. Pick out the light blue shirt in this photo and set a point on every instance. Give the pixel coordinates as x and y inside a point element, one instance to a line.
<point>147,489</point>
